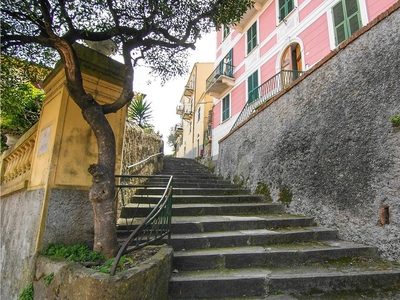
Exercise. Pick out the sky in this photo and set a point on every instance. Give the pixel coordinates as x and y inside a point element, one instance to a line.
<point>164,99</point>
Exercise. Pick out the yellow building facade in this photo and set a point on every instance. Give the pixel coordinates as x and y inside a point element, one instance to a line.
<point>194,108</point>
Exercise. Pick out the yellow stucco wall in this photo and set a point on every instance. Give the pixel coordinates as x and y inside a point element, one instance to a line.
<point>66,145</point>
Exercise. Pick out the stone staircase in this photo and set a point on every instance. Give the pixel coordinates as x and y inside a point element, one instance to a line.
<point>230,244</point>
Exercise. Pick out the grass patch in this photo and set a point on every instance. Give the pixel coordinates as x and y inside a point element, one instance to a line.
<point>48,279</point>
<point>27,293</point>
<point>76,253</point>
<point>82,254</point>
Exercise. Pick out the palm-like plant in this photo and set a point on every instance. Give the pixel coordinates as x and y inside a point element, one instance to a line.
<point>139,111</point>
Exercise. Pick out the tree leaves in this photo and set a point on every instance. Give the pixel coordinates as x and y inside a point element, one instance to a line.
<point>139,111</point>
<point>147,28</point>
<point>21,94</point>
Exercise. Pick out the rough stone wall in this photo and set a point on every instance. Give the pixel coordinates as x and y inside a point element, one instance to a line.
<point>139,145</point>
<point>20,215</point>
<point>326,147</point>
<point>69,218</point>
<point>149,280</point>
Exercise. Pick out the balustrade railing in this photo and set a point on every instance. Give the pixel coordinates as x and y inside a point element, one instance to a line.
<point>266,91</point>
<point>16,162</point>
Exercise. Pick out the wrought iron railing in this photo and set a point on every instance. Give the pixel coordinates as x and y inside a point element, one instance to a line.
<point>266,91</point>
<point>155,226</point>
<point>223,69</point>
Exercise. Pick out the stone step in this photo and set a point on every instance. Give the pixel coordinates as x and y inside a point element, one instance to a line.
<point>198,224</point>
<point>192,199</point>
<point>200,209</point>
<point>256,237</point>
<point>192,191</point>
<point>272,256</point>
<point>356,276</point>
<point>186,183</point>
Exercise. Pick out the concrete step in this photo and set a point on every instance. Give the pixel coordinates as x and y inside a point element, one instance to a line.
<point>256,237</point>
<point>272,256</point>
<point>356,275</point>
<point>192,191</point>
<point>198,224</point>
<point>186,183</point>
<point>192,199</point>
<point>202,209</point>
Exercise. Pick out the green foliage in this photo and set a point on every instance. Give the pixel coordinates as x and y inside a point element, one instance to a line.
<point>285,196</point>
<point>76,253</point>
<point>106,267</point>
<point>27,293</point>
<point>155,30</point>
<point>139,111</point>
<point>171,139</point>
<point>395,120</point>
<point>81,253</point>
<point>48,279</point>
<point>21,96</point>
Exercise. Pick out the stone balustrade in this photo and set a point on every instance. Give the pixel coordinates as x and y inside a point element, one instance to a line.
<point>16,163</point>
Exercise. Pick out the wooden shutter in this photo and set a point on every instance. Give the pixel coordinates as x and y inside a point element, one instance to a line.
<point>353,15</point>
<point>338,19</point>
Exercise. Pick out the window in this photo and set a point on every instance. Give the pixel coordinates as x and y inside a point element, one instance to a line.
<point>198,114</point>
<point>252,87</point>
<point>225,108</point>
<point>346,19</point>
<point>225,32</point>
<point>190,127</point>
<point>285,7</point>
<point>252,37</point>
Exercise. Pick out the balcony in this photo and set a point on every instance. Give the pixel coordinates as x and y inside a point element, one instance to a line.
<point>187,113</point>
<point>189,89</point>
<point>248,16</point>
<point>179,129</point>
<point>179,109</point>
<point>266,91</point>
<point>220,81</point>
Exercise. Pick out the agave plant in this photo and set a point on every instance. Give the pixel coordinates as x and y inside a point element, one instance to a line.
<point>139,111</point>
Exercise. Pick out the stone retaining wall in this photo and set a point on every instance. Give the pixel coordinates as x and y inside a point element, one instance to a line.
<point>326,147</point>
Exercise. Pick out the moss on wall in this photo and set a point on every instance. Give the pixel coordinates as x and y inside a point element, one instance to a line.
<point>262,189</point>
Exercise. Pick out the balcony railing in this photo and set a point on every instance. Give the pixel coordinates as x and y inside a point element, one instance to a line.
<point>266,91</point>
<point>187,112</point>
<point>220,79</point>
<point>178,129</point>
<point>179,109</point>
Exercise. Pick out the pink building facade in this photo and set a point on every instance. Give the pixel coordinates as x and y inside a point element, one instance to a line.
<point>275,42</point>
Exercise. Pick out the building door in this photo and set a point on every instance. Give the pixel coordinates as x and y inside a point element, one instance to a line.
<point>291,63</point>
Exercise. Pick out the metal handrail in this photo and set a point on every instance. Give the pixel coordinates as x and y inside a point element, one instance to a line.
<point>154,227</point>
<point>144,160</point>
<point>266,91</point>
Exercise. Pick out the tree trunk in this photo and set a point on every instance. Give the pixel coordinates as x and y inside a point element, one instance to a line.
<point>101,193</point>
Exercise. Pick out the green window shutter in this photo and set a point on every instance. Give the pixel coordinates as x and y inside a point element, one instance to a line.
<point>252,86</point>
<point>353,15</point>
<point>338,19</point>
<point>252,37</point>
<point>285,7</point>
<point>346,18</point>
<point>225,108</point>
